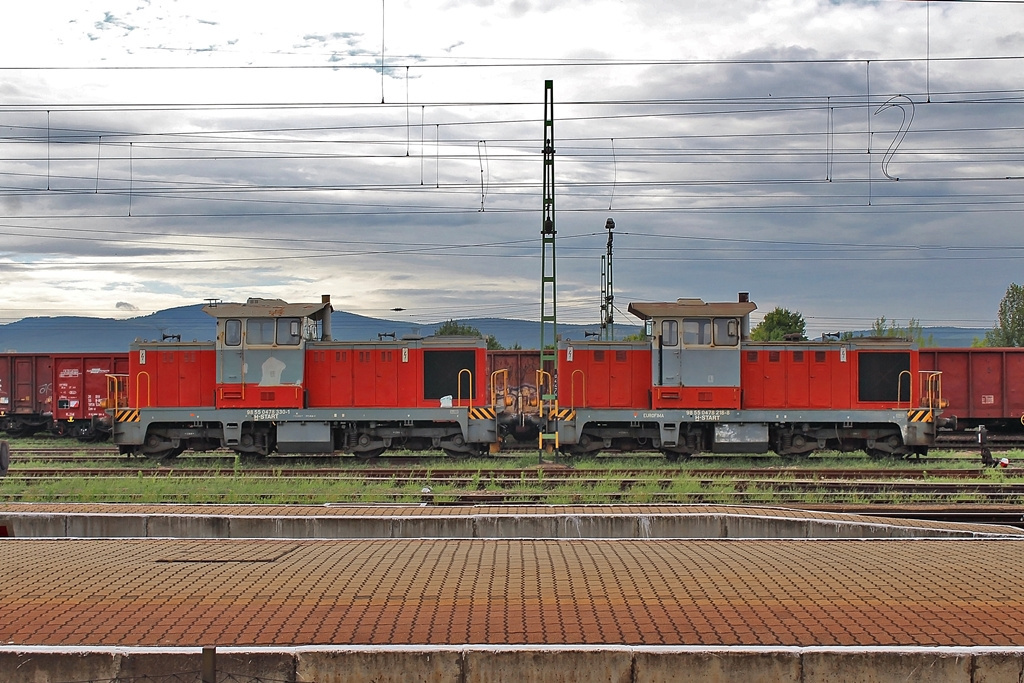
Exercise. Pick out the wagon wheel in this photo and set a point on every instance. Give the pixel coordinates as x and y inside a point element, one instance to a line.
<point>91,436</point>
<point>22,430</point>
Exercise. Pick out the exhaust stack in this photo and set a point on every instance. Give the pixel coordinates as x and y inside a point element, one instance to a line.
<point>325,324</point>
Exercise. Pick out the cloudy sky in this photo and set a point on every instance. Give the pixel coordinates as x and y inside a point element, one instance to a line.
<point>844,159</point>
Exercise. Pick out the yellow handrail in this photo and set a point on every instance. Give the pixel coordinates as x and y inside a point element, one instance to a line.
<point>138,390</point>
<point>541,374</point>
<point>934,392</point>
<point>459,389</point>
<point>899,389</point>
<point>503,373</point>
<point>116,391</point>
<point>572,393</point>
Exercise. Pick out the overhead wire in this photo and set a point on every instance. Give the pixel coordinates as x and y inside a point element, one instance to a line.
<point>252,144</point>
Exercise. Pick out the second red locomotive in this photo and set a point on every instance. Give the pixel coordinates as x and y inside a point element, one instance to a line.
<point>699,384</point>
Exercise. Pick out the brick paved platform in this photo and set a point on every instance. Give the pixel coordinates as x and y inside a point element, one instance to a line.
<point>145,592</point>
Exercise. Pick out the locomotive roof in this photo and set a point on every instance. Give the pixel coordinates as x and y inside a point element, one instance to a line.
<point>690,307</point>
<point>266,308</point>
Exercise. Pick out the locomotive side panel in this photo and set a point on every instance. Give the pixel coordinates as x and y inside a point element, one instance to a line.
<point>605,375</point>
<point>329,379</point>
<point>884,378</point>
<point>458,370</point>
<point>407,374</point>
<point>172,375</point>
<point>383,376</point>
<point>791,378</point>
<point>831,378</point>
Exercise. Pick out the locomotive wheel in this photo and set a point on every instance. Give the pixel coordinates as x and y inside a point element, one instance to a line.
<point>675,456</point>
<point>879,454</point>
<point>166,454</point>
<point>370,454</point>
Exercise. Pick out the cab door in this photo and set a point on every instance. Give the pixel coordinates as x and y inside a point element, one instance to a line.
<point>668,365</point>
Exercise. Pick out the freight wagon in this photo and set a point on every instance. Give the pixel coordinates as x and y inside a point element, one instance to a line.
<point>61,393</point>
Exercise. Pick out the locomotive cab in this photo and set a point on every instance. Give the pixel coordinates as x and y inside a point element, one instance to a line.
<point>695,352</point>
<point>261,349</point>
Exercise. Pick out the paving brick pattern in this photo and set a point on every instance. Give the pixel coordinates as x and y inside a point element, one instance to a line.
<point>142,592</point>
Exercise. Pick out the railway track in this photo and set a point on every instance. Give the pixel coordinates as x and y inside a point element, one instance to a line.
<point>66,473</point>
<point>543,485</point>
<point>545,475</point>
<point>965,441</point>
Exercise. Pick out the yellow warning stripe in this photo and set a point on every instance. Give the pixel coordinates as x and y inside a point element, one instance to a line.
<point>481,413</point>
<point>563,414</point>
<point>920,415</point>
<point>128,415</point>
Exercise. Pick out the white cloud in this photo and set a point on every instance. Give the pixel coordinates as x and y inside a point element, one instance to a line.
<point>702,129</point>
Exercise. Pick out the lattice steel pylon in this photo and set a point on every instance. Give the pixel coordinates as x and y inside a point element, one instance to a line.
<point>607,289</point>
<point>547,380</point>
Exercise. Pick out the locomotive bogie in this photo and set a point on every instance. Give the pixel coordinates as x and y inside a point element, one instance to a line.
<point>166,433</point>
<point>885,433</point>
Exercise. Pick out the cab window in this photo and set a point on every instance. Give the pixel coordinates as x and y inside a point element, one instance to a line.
<point>232,332</point>
<point>288,331</point>
<point>259,331</point>
<point>727,332</point>
<point>670,333</point>
<point>697,332</point>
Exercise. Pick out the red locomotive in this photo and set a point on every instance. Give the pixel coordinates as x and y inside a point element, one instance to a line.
<point>275,380</point>
<point>699,384</point>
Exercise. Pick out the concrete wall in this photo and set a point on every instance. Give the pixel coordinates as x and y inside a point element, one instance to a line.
<point>480,664</point>
<point>597,525</point>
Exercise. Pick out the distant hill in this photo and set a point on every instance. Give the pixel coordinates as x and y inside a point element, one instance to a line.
<point>954,336</point>
<point>74,334</point>
<point>83,335</point>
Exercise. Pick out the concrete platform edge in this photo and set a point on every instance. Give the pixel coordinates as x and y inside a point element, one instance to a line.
<point>661,526</point>
<point>486,663</point>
